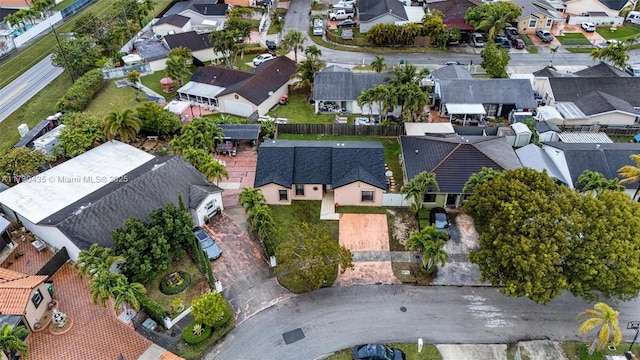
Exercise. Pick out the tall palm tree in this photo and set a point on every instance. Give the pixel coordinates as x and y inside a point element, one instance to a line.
<point>417,188</point>
<point>178,68</point>
<point>366,99</point>
<point>498,18</point>
<point>413,100</point>
<point>101,286</point>
<point>591,181</point>
<point>378,64</point>
<point>11,339</point>
<point>293,40</point>
<point>213,170</point>
<point>631,174</point>
<point>96,259</point>
<point>605,319</point>
<point>125,292</point>
<point>306,73</point>
<point>313,52</point>
<point>429,242</point>
<point>124,124</point>
<point>406,74</point>
<point>479,178</point>
<point>250,198</point>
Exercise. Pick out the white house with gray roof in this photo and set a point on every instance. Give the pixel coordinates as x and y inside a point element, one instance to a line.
<point>372,12</point>
<point>80,201</point>
<point>343,86</point>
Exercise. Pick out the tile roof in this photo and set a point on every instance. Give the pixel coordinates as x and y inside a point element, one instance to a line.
<point>451,72</point>
<point>15,290</point>
<point>350,84</point>
<point>453,9</point>
<point>614,4</point>
<point>175,20</point>
<point>488,91</point>
<point>454,159</point>
<point>190,39</point>
<point>285,162</point>
<point>371,9</point>
<point>569,89</point>
<point>601,70</point>
<point>598,102</point>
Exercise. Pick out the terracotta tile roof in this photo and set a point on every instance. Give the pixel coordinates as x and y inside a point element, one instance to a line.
<point>15,290</point>
<point>8,275</point>
<point>15,3</point>
<point>169,356</point>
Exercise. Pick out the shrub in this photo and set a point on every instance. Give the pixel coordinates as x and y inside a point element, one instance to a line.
<point>189,333</point>
<point>82,91</point>
<point>175,283</point>
<point>155,311</point>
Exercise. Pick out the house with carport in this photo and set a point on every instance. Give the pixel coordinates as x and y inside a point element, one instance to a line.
<point>540,15</point>
<point>343,87</point>
<point>79,202</point>
<point>338,172</point>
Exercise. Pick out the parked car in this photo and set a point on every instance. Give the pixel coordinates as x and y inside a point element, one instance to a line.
<point>511,33</point>
<point>545,35</point>
<point>340,15</point>
<point>377,352</point>
<point>345,3</point>
<point>452,63</point>
<point>347,23</point>
<point>262,58</point>
<point>438,217</point>
<point>271,44</point>
<point>603,45</point>
<point>504,41</point>
<point>347,34</point>
<point>209,246</point>
<point>588,26</point>
<point>634,69</point>
<point>517,43</point>
<point>477,40</point>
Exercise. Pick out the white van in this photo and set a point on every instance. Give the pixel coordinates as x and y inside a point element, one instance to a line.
<point>634,17</point>
<point>318,27</point>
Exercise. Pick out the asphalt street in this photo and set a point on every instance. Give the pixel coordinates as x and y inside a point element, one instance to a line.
<point>341,317</point>
<point>19,91</point>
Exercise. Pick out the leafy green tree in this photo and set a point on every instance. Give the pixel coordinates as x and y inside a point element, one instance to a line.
<point>211,310</point>
<point>238,19</point>
<point>250,198</point>
<point>181,52</point>
<point>198,134</point>
<point>450,34</point>
<point>310,257</point>
<point>81,132</point>
<point>206,164</point>
<point>605,319</point>
<point>592,181</point>
<point>417,188</point>
<point>615,54</point>
<point>177,225</point>
<point>156,120</point>
<point>294,41</point>
<point>96,260</point>
<point>492,17</point>
<point>125,124</point>
<point>261,220</point>
<point>178,69</point>
<point>479,178</point>
<point>77,55</point>
<point>378,64</point>
<point>226,43</point>
<point>405,74</point>
<point>631,174</point>
<point>495,59</point>
<point>429,242</point>
<point>21,161</point>
<point>133,76</point>
<point>383,35</point>
<point>433,24</point>
<point>11,339</point>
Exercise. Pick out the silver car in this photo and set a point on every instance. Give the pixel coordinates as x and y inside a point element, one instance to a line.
<point>209,246</point>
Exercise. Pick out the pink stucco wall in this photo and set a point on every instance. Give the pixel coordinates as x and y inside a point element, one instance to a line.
<point>352,194</point>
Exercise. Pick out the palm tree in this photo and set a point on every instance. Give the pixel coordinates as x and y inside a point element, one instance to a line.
<point>101,286</point>
<point>414,100</point>
<point>213,170</point>
<point>178,68</point>
<point>498,19</point>
<point>378,64</point>
<point>125,124</point>
<point>11,339</point>
<point>631,174</point>
<point>127,292</point>
<point>605,319</point>
<point>429,242</point>
<point>261,220</point>
<point>417,188</point>
<point>293,40</point>
<point>250,198</point>
<point>313,52</point>
<point>597,183</point>
<point>366,99</point>
<point>405,74</point>
<point>95,260</point>
<point>479,178</point>
<point>306,73</point>
<point>616,54</point>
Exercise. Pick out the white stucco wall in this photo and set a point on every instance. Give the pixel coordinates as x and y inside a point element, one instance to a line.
<point>205,55</point>
<point>266,105</point>
<point>201,210</point>
<point>158,65</point>
<point>385,19</point>
<point>351,194</point>
<point>52,236</point>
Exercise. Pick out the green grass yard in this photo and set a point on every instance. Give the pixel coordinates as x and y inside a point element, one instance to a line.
<point>299,111</point>
<point>573,39</point>
<point>623,33</point>
<point>112,96</point>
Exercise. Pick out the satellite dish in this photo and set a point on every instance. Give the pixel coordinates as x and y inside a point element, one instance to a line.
<point>388,173</point>
<point>270,93</point>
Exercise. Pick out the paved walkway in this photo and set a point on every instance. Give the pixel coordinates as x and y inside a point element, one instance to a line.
<point>328,207</point>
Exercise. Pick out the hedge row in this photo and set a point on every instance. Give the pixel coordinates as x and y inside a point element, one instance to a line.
<point>82,92</point>
<point>156,312</point>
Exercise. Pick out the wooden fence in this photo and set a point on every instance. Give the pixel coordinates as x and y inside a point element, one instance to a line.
<point>339,129</point>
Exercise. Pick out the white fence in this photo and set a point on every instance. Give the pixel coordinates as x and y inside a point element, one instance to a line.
<point>120,72</point>
<point>397,200</point>
<point>38,29</point>
<point>598,20</point>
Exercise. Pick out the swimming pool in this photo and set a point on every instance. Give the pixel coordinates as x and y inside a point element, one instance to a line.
<point>22,30</point>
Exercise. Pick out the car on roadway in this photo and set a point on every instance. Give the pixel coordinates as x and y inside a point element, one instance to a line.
<point>588,26</point>
<point>348,23</point>
<point>517,43</point>
<point>452,63</point>
<point>208,245</point>
<point>377,352</point>
<point>271,44</point>
<point>438,217</point>
<point>262,58</point>
<point>544,35</point>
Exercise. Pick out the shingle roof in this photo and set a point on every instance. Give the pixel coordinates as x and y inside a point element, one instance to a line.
<point>344,85</point>
<point>286,162</point>
<point>453,9</point>
<point>454,159</point>
<point>488,91</point>
<point>219,76</point>
<point>597,102</point>
<point>175,20</point>
<point>371,9</point>
<point>570,89</point>
<point>151,49</point>
<point>190,39</point>
<point>451,72</point>
<point>604,158</point>
<point>240,131</point>
<point>546,72</point>
<point>544,126</point>
<point>149,187</point>
<point>601,70</point>
<point>614,4</point>
<point>268,76</point>
<point>15,290</point>
<point>209,8</point>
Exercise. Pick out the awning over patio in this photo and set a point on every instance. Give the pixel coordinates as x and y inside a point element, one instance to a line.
<point>467,109</point>
<point>240,131</point>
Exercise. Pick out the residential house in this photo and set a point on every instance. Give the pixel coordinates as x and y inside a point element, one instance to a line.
<point>79,202</point>
<point>454,159</point>
<point>352,172</point>
<point>453,12</point>
<point>154,52</point>
<point>345,95</point>
<point>23,298</point>
<point>490,97</point>
<point>15,4</point>
<point>240,93</point>
<point>205,15</point>
<point>372,12</point>
<point>611,8</point>
<point>199,44</point>
<point>540,14</point>
<point>172,24</point>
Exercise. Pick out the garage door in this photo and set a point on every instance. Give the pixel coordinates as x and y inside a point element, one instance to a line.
<point>237,108</point>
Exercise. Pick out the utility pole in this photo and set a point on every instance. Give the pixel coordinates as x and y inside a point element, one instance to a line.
<point>64,57</point>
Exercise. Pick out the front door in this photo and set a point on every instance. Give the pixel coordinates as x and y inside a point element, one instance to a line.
<point>452,200</point>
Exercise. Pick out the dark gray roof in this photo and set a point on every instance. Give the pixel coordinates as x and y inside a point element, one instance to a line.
<point>151,186</point>
<point>219,76</point>
<point>614,4</point>
<point>601,70</point>
<point>597,102</point>
<point>3,187</point>
<point>178,7</point>
<point>476,130</point>
<point>190,39</point>
<point>209,8</point>
<point>488,91</point>
<point>40,129</point>
<point>570,89</point>
<point>547,72</point>
<point>453,9</point>
<point>240,131</point>
<point>371,9</point>
<point>454,159</point>
<point>603,158</point>
<point>175,20</point>
<point>544,126</point>
<point>151,49</point>
<point>451,72</point>
<point>285,162</point>
<point>4,12</point>
<point>344,85</point>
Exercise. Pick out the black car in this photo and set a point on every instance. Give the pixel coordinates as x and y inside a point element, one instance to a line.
<point>377,352</point>
<point>438,218</point>
<point>271,44</point>
<point>209,246</point>
<point>511,33</point>
<point>346,23</point>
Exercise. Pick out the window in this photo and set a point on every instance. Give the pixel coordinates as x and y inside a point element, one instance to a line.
<point>210,209</point>
<point>284,196</point>
<point>367,195</point>
<point>549,22</point>
<point>533,23</point>
<point>36,298</point>
<point>430,198</point>
<point>300,189</point>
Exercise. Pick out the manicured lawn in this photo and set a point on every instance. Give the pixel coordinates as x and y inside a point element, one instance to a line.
<point>573,39</point>
<point>361,210</point>
<point>287,218</point>
<point>112,96</point>
<point>532,49</point>
<point>63,4</point>
<point>578,50</point>
<point>579,351</point>
<point>526,39</point>
<point>429,352</point>
<point>299,111</point>
<point>152,81</point>
<point>622,33</point>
